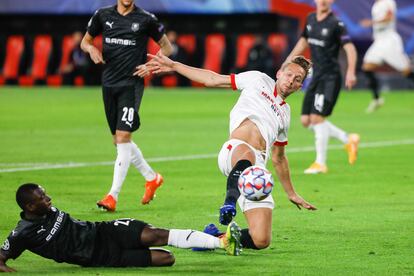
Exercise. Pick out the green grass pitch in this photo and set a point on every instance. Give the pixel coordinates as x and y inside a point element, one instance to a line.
<point>365,221</point>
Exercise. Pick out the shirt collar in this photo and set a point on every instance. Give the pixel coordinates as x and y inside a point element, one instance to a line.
<point>276,94</point>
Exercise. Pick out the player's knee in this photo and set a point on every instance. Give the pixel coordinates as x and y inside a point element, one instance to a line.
<point>169,259</point>
<point>261,242</point>
<point>305,121</point>
<point>406,72</point>
<point>260,239</point>
<point>122,137</point>
<point>316,119</point>
<point>162,257</point>
<point>369,67</point>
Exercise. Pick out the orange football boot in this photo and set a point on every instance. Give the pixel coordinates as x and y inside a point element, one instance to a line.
<point>108,203</point>
<point>151,187</point>
<point>352,147</point>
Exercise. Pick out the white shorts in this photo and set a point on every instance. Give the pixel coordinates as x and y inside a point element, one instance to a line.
<point>388,49</point>
<point>224,163</point>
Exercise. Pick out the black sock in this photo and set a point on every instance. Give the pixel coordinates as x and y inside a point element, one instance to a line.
<point>246,240</point>
<point>233,193</point>
<point>411,76</point>
<point>372,83</point>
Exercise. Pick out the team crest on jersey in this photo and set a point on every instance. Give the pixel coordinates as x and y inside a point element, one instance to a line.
<point>6,245</point>
<point>324,32</point>
<point>135,27</point>
<point>309,27</point>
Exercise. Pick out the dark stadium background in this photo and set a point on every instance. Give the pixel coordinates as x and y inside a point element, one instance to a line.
<point>199,24</point>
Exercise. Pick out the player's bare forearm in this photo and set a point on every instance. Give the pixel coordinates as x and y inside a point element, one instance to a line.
<point>88,47</point>
<point>206,77</point>
<point>3,266</point>
<point>299,48</point>
<point>281,166</point>
<point>161,64</point>
<point>165,44</point>
<point>351,55</point>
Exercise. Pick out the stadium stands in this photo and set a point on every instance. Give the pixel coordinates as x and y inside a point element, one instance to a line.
<point>14,52</point>
<point>244,43</point>
<point>209,51</point>
<point>67,47</point>
<point>42,48</point>
<point>279,45</point>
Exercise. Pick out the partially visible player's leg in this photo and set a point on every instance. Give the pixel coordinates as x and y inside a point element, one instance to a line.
<point>122,162</point>
<point>259,233</point>
<point>141,164</point>
<point>321,141</point>
<point>234,157</point>
<point>161,257</point>
<point>369,70</point>
<point>120,117</point>
<point>187,238</point>
<point>397,58</point>
<point>153,179</point>
<point>374,58</point>
<point>312,108</point>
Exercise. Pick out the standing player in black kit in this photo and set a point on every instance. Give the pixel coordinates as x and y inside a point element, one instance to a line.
<point>325,34</point>
<point>126,29</point>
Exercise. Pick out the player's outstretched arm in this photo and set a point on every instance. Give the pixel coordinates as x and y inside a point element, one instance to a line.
<point>88,47</point>
<point>281,166</point>
<point>299,48</point>
<point>161,64</point>
<point>351,56</point>
<point>3,266</point>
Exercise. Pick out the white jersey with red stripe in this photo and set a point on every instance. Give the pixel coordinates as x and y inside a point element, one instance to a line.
<point>379,11</point>
<point>260,103</point>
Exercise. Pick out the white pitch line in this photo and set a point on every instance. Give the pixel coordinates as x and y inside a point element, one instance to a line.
<point>50,166</point>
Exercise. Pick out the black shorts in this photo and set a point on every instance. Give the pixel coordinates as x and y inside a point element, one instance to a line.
<point>122,106</point>
<point>321,96</point>
<point>118,244</point>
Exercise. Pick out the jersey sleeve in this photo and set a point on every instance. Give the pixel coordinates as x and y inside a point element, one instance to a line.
<point>242,80</point>
<point>95,25</point>
<point>305,33</point>
<point>12,247</point>
<point>155,29</point>
<point>343,33</point>
<point>282,136</point>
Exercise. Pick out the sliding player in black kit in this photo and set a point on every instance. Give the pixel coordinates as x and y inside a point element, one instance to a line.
<point>126,29</point>
<point>54,234</point>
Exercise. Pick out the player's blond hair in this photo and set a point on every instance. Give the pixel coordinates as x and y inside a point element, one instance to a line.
<point>303,62</point>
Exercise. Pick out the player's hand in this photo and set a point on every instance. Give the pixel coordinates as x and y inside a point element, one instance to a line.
<point>142,70</point>
<point>160,63</point>
<point>96,55</point>
<point>365,23</point>
<point>300,202</point>
<point>350,80</point>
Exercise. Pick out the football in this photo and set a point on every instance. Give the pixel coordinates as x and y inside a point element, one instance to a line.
<point>256,183</point>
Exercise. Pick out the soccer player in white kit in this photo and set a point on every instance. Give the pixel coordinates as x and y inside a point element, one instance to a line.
<point>387,47</point>
<point>259,125</point>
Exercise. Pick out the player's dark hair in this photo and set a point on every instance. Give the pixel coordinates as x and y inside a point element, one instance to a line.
<point>303,62</point>
<point>24,194</point>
